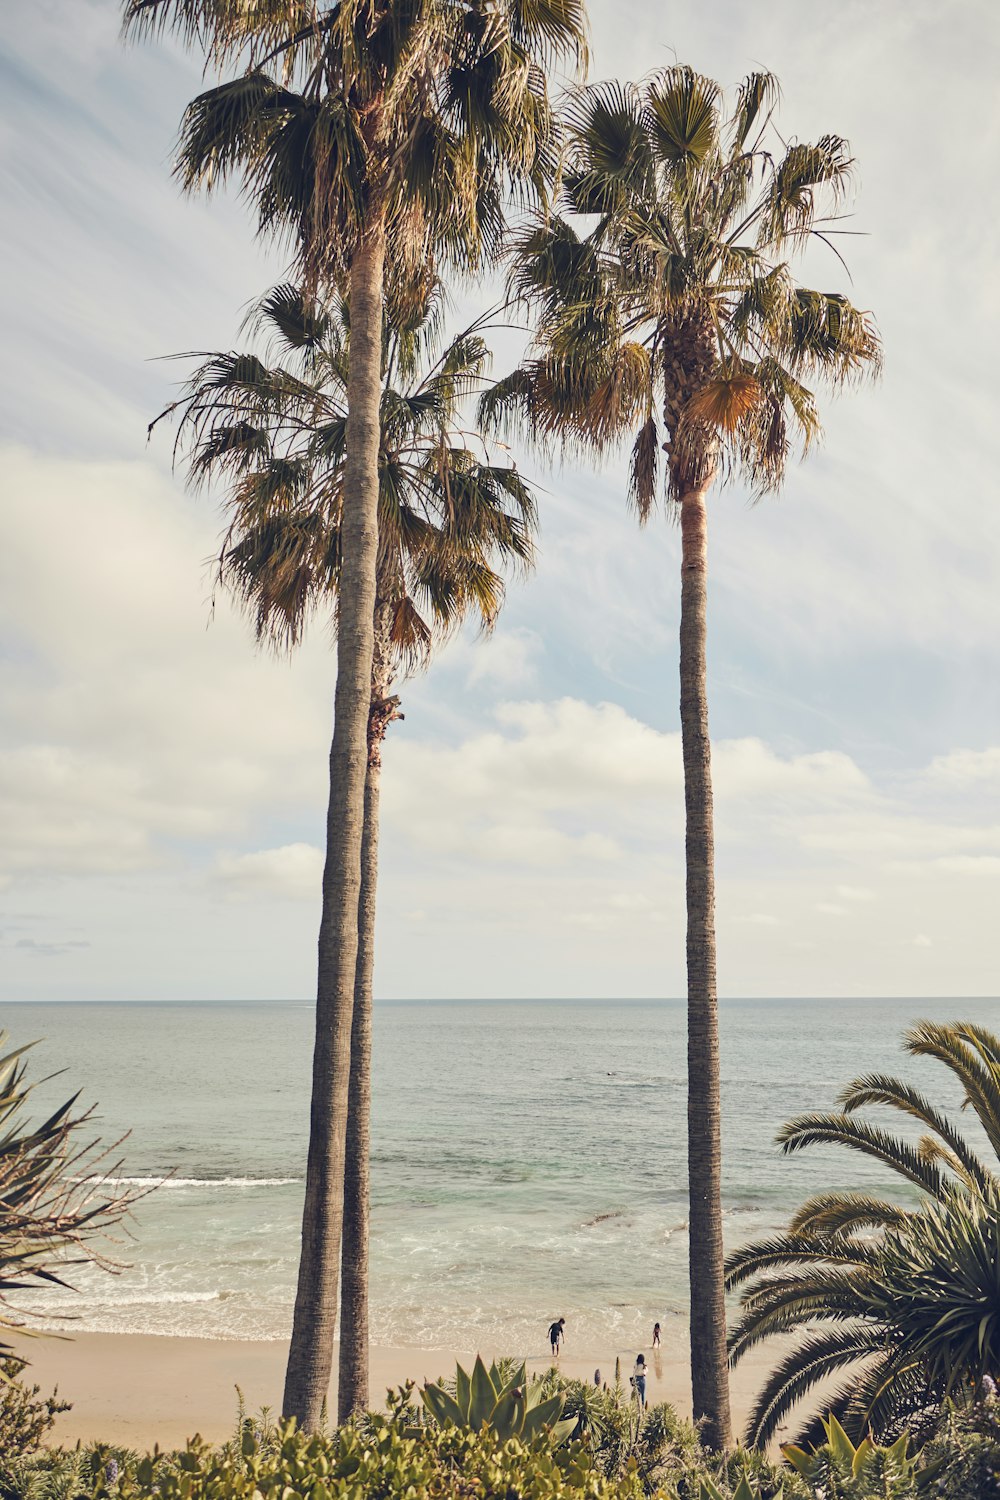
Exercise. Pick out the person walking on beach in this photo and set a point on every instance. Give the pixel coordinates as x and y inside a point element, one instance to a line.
<point>656,1335</point>
<point>556,1334</point>
<point>639,1380</point>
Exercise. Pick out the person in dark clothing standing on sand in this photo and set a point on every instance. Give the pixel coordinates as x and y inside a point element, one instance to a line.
<point>556,1334</point>
<point>639,1380</point>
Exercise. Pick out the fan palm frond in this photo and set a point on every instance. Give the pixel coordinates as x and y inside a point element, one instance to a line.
<point>449,517</point>
<point>689,259</point>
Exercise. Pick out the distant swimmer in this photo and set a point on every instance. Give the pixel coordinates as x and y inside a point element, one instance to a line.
<point>656,1335</point>
<point>557,1334</point>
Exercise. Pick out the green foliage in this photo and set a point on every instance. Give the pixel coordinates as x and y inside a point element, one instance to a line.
<point>54,1205</point>
<point>667,312</point>
<point>654,1442</point>
<point>390,1456</point>
<point>25,1414</point>
<point>58,1474</point>
<point>381,1458</point>
<point>509,1404</point>
<point>416,117</point>
<point>841,1469</point>
<point>904,1300</point>
<point>272,431</point>
<point>745,1490</point>
<point>966,1449</point>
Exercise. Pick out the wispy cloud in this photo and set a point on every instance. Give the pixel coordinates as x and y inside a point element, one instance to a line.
<point>154,765</point>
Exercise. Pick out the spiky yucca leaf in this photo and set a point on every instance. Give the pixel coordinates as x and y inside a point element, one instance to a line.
<point>59,1196</point>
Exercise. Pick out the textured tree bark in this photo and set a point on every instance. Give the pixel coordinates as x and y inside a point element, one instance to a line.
<point>709,1364</point>
<point>310,1354</point>
<point>352,1385</point>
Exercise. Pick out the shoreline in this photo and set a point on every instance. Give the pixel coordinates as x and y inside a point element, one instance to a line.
<point>136,1389</point>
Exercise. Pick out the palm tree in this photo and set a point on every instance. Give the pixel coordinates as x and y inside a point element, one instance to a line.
<point>667,310</point>
<point>405,125</point>
<point>274,432</point>
<point>905,1296</point>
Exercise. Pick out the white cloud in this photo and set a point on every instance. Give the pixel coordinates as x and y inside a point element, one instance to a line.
<point>965,768</point>
<point>295,870</point>
<point>131,723</point>
<point>153,766</point>
<point>855,893</point>
<point>507,659</point>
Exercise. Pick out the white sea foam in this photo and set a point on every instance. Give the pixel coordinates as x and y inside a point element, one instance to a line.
<point>167,1181</point>
<point>529,1162</point>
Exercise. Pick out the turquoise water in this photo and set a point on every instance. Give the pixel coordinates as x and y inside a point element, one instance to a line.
<point>528,1158</point>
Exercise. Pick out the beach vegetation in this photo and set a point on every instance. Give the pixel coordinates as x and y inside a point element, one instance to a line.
<point>60,1195</point>
<point>656,1441</point>
<point>271,433</point>
<point>396,1454</point>
<point>352,128</point>
<point>900,1296</point>
<point>508,1403</point>
<point>667,315</point>
<point>837,1459</point>
<point>26,1416</point>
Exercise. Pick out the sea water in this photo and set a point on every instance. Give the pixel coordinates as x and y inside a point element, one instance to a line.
<point>528,1158</point>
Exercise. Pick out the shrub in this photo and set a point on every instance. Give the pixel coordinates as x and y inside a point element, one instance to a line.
<point>655,1441</point>
<point>25,1414</point>
<point>58,1474</point>
<point>967,1450</point>
<point>379,1457</point>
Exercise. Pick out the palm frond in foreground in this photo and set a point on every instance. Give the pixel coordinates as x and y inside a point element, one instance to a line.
<point>902,1302</point>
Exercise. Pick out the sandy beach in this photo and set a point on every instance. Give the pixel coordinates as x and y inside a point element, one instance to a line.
<point>137,1389</point>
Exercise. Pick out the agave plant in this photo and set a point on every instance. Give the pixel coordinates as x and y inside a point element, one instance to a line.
<point>514,1407</point>
<point>709,1490</point>
<point>906,1300</point>
<point>836,1467</point>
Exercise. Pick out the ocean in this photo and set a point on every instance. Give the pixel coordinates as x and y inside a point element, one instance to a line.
<point>528,1157</point>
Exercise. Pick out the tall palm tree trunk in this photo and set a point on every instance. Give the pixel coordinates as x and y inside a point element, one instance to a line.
<point>709,1367</point>
<point>310,1354</point>
<point>352,1385</point>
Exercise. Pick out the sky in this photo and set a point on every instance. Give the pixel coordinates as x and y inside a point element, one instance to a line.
<point>162,783</point>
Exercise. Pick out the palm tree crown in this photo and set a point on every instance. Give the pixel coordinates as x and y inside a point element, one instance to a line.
<point>416,117</point>
<point>906,1295</point>
<point>272,427</point>
<point>666,302</point>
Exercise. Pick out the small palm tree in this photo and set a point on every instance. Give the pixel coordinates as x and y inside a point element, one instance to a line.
<point>904,1297</point>
<point>274,432</point>
<point>355,126</point>
<point>668,312</point>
